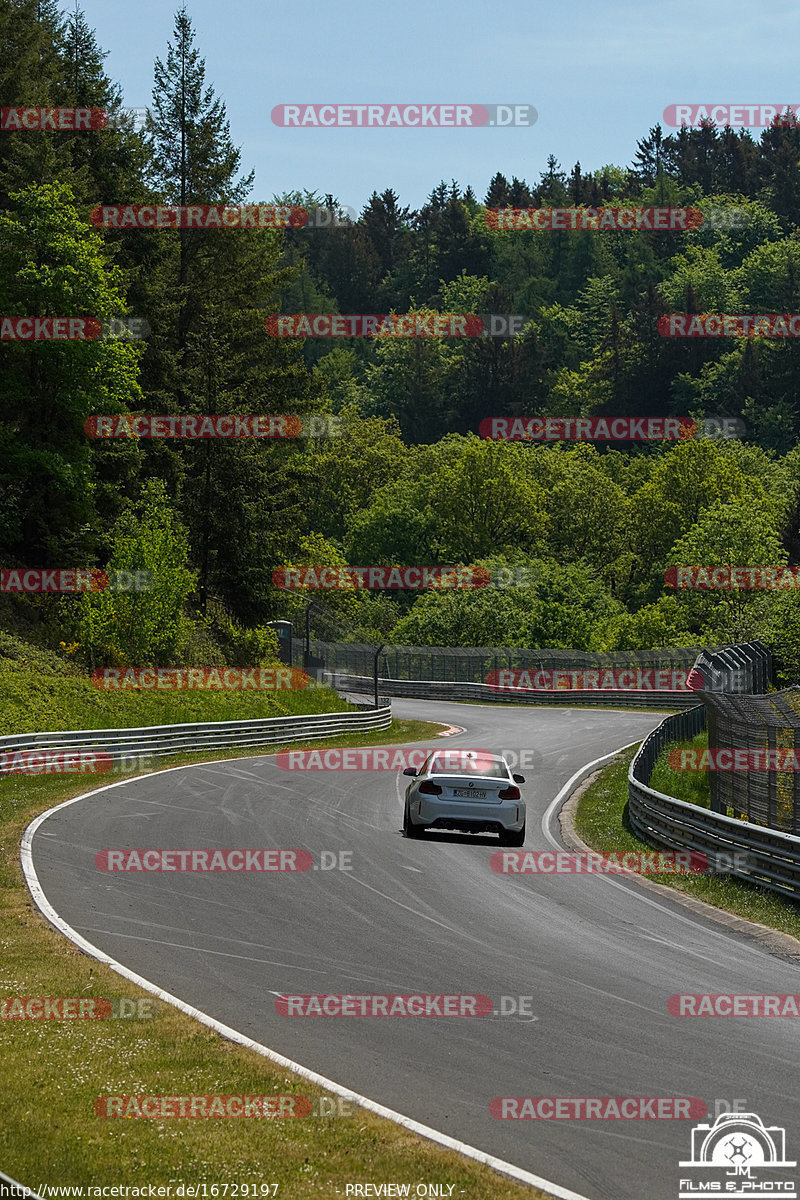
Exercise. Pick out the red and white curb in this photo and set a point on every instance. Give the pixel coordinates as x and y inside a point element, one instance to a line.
<point>451,729</point>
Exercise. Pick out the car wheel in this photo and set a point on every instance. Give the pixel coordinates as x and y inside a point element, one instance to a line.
<point>410,830</point>
<point>510,838</point>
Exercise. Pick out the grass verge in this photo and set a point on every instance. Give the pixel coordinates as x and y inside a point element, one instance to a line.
<point>49,695</point>
<point>53,1071</point>
<point>601,820</point>
<point>690,786</point>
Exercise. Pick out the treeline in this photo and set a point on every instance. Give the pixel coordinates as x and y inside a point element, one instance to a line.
<point>591,299</point>
<point>408,481</point>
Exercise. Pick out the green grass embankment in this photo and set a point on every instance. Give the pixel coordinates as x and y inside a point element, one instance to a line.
<point>53,1071</point>
<point>601,820</point>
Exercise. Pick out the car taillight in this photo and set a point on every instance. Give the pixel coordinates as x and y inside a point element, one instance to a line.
<point>431,789</point>
<point>509,793</point>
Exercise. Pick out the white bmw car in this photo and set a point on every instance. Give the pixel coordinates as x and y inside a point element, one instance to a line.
<point>481,796</point>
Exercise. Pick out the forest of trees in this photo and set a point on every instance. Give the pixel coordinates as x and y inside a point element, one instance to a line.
<point>409,481</point>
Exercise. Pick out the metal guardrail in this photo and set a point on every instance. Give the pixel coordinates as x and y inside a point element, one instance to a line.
<point>432,689</point>
<point>155,740</point>
<point>760,855</point>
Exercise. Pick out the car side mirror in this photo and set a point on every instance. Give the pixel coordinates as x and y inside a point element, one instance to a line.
<point>519,779</point>
<point>412,771</point>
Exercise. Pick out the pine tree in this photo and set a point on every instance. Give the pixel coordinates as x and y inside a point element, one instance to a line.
<point>779,168</point>
<point>706,142</point>
<point>498,195</point>
<point>384,222</point>
<point>575,185</point>
<point>553,186</point>
<point>519,194</point>
<point>193,159</point>
<point>208,295</point>
<point>109,163</point>
<point>648,160</point>
<point>31,37</point>
<point>737,158</point>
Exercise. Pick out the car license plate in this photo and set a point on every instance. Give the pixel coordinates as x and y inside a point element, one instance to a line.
<point>469,793</point>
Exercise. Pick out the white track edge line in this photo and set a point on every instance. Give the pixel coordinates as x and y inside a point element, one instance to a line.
<point>233,1035</point>
<point>616,882</point>
<point>569,787</point>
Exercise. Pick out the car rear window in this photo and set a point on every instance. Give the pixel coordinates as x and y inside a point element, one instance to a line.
<point>489,768</point>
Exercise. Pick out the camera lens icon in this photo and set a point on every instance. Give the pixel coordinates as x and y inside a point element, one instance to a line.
<point>738,1141</point>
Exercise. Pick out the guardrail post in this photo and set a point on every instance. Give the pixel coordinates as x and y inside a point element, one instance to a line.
<point>375,676</point>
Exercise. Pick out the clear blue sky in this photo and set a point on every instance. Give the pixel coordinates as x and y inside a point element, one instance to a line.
<point>599,75</point>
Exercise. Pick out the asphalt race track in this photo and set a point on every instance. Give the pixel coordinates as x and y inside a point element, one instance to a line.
<point>599,956</point>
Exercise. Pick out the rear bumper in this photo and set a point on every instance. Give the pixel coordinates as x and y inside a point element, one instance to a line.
<point>489,818</point>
